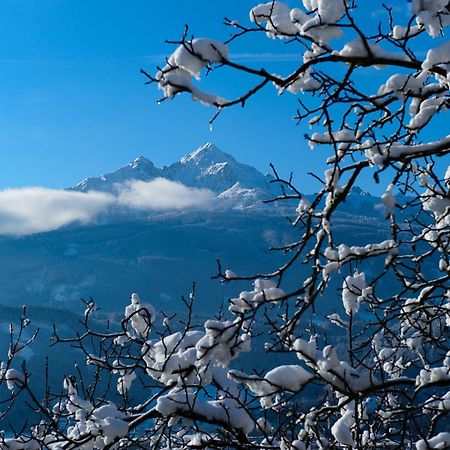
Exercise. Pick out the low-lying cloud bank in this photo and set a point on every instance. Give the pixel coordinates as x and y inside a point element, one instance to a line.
<point>33,210</point>
<point>161,194</point>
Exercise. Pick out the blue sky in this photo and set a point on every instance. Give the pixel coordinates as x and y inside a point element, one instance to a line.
<point>73,103</point>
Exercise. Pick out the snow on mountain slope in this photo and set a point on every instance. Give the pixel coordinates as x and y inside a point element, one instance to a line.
<point>140,169</point>
<point>209,167</point>
<point>159,253</point>
<point>235,185</point>
<point>241,198</point>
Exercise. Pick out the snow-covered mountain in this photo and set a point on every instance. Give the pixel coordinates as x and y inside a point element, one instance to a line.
<point>139,169</point>
<point>240,197</point>
<point>208,167</point>
<point>235,186</point>
<point>160,253</point>
<point>211,168</point>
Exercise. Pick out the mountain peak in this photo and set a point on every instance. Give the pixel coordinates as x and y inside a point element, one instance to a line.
<point>356,190</point>
<point>207,153</point>
<point>141,162</point>
<point>211,168</point>
<point>140,168</point>
<point>207,167</point>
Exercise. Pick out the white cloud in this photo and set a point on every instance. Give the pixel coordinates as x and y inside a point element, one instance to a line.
<point>35,209</point>
<point>161,194</point>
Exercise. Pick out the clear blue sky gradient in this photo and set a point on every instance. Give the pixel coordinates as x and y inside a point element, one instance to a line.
<point>73,103</point>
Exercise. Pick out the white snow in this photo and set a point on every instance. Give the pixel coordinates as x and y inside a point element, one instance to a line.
<point>225,410</point>
<point>289,378</point>
<point>140,315</point>
<point>264,291</point>
<point>342,428</point>
<point>276,16</point>
<point>389,200</point>
<point>14,378</point>
<point>193,56</point>
<point>353,292</point>
<point>431,15</point>
<point>283,22</point>
<point>440,441</point>
<point>359,48</point>
<point>185,63</point>
<point>435,374</point>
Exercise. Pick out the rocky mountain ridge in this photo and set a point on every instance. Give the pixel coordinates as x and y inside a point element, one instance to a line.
<point>235,185</point>
<point>208,167</point>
